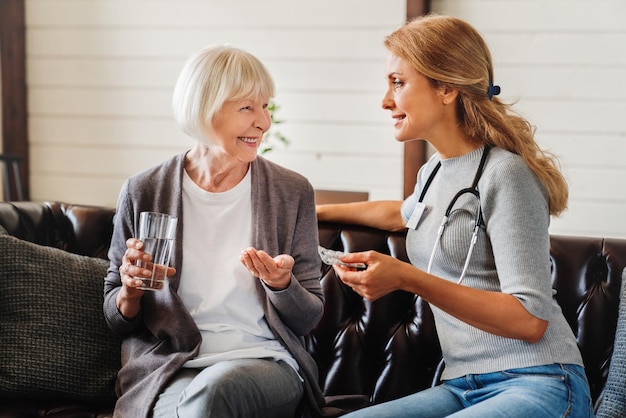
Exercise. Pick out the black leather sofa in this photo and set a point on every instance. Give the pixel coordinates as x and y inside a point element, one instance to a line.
<point>367,352</point>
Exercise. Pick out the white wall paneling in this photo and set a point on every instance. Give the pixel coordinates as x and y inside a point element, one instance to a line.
<point>563,62</point>
<point>100,75</point>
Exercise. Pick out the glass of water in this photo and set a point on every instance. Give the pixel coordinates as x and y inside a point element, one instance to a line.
<point>157,232</point>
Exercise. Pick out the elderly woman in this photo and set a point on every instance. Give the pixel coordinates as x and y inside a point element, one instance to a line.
<point>224,338</point>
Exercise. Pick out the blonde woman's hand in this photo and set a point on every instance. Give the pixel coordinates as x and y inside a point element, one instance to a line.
<point>377,280</point>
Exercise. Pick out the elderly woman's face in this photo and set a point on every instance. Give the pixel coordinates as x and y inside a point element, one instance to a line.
<point>239,126</point>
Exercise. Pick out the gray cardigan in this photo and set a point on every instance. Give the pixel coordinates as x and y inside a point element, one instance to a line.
<point>164,336</point>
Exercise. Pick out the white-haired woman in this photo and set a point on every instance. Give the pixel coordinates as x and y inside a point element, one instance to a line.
<point>224,338</point>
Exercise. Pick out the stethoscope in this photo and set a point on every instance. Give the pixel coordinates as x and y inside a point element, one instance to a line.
<point>478,217</point>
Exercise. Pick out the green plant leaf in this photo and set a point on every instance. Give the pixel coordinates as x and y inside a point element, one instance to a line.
<point>273,137</point>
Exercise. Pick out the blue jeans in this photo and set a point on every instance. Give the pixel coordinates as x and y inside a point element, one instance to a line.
<point>551,391</point>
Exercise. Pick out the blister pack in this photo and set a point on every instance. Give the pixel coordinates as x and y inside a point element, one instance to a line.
<point>331,257</point>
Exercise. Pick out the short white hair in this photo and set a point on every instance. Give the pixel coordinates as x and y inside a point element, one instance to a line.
<point>210,78</point>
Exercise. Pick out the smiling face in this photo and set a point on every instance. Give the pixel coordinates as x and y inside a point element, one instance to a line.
<point>417,107</point>
<point>238,127</point>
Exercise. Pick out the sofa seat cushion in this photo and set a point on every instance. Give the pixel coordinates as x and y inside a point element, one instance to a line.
<point>33,408</point>
<point>54,341</point>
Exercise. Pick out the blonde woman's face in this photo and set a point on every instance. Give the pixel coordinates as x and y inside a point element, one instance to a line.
<point>416,106</point>
<point>239,126</point>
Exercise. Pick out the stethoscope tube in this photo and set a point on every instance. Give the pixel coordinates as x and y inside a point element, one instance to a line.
<point>477,224</point>
<point>478,220</point>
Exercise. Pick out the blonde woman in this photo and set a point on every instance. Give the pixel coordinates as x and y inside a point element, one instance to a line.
<point>477,237</point>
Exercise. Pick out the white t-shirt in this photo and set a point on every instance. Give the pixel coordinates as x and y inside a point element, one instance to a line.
<point>217,290</point>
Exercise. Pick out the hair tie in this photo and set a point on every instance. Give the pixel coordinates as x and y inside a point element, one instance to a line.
<point>492,90</point>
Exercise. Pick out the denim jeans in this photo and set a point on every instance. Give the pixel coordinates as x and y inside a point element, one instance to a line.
<point>551,391</point>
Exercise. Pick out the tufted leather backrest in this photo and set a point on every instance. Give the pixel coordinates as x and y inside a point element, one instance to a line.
<point>385,349</point>
<point>389,348</point>
<point>587,276</point>
<point>79,229</point>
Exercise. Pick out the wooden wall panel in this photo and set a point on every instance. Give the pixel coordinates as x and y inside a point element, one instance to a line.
<point>100,75</point>
<point>563,63</point>
<point>309,44</point>
<point>248,14</point>
<point>13,97</point>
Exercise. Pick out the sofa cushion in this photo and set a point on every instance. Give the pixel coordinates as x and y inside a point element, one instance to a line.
<point>613,402</point>
<point>53,337</point>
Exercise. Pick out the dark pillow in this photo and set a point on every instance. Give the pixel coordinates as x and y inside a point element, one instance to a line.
<point>614,395</point>
<point>54,341</point>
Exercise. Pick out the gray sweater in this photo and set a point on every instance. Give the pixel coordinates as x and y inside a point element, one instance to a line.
<point>511,256</point>
<point>164,336</point>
